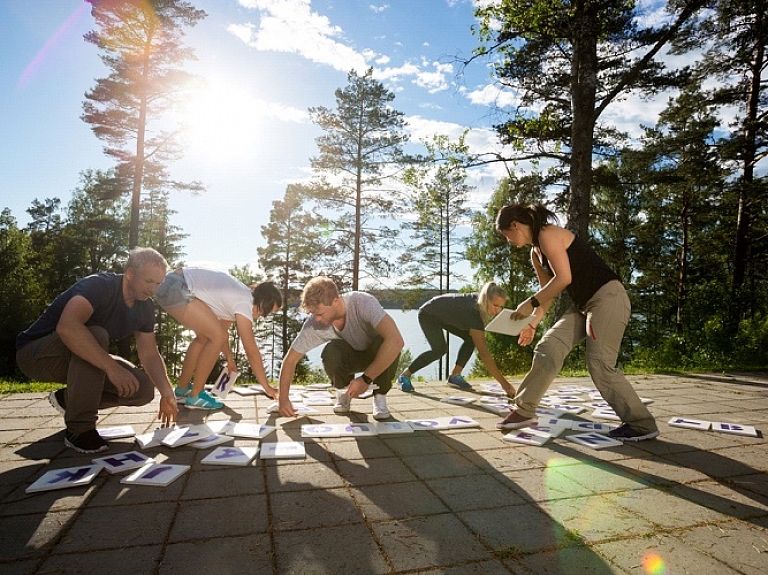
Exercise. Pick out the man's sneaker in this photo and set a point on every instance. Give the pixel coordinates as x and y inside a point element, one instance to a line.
<point>516,421</point>
<point>380,410</point>
<point>87,442</point>
<point>404,381</point>
<point>626,433</point>
<point>203,401</point>
<point>459,381</point>
<point>343,402</point>
<point>58,400</point>
<point>182,393</point>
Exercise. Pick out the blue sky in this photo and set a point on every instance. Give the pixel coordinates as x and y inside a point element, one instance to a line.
<point>265,62</point>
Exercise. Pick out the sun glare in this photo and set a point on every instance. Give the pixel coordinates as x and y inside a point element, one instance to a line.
<point>221,123</point>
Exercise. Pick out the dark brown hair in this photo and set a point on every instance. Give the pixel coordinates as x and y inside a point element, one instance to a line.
<point>266,296</point>
<point>534,215</point>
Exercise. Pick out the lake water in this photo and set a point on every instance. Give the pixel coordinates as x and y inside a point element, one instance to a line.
<point>408,324</point>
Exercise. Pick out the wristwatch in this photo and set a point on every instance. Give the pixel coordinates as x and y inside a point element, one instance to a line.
<point>534,302</point>
<point>366,379</point>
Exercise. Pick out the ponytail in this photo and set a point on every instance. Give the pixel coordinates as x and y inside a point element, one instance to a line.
<point>534,215</point>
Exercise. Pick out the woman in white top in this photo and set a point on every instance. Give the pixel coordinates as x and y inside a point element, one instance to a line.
<point>208,302</point>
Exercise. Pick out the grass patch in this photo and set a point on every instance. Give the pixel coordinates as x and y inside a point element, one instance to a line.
<point>9,386</point>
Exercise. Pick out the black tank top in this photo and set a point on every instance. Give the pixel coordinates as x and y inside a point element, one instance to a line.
<point>588,271</point>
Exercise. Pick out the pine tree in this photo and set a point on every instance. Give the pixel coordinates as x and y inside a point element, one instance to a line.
<point>360,150</point>
<point>141,44</point>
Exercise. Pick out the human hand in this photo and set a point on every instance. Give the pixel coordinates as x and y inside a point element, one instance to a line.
<point>523,310</point>
<point>169,409</point>
<point>124,381</point>
<point>270,391</point>
<point>357,387</point>
<point>286,409</point>
<point>526,335</point>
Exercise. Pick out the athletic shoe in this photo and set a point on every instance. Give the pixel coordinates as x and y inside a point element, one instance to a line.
<point>404,381</point>
<point>343,402</point>
<point>203,401</point>
<point>626,433</point>
<point>516,421</point>
<point>182,393</point>
<point>58,400</point>
<point>87,442</point>
<point>380,410</point>
<point>459,381</point>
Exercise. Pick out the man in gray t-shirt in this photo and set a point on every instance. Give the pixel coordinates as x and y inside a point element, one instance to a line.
<point>359,336</point>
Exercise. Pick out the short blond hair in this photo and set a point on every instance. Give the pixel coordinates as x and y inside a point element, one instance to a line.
<point>318,291</point>
<point>485,300</point>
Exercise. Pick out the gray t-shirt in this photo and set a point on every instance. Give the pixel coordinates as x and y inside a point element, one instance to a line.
<point>364,313</point>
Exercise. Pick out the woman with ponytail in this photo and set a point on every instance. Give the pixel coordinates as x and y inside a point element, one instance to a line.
<point>465,316</point>
<point>599,314</point>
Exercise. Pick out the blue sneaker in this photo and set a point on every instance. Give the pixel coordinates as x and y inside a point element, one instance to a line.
<point>459,381</point>
<point>182,393</point>
<point>203,401</point>
<point>404,381</point>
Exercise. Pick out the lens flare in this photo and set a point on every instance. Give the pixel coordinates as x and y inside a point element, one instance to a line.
<point>653,564</point>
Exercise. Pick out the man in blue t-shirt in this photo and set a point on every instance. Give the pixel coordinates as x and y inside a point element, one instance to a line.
<point>69,344</point>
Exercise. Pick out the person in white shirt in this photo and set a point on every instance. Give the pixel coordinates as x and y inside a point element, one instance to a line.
<point>208,302</point>
<point>360,337</point>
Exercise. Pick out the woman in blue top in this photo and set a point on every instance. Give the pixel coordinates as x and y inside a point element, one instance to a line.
<point>600,312</point>
<point>465,316</point>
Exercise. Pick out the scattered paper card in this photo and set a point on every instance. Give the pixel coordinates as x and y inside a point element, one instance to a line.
<point>184,435</point>
<point>320,430</point>
<point>224,383</point>
<point>690,423</point>
<point>156,474</point>
<point>117,432</point>
<point>550,430</point>
<point>317,386</point>
<point>250,430</point>
<point>497,408</point>
<point>493,389</point>
<point>63,478</point>
<point>567,408</point>
<point>457,400</point>
<point>123,461</point>
<point>392,427</point>
<point>597,427</point>
<point>240,390</point>
<point>735,429</point>
<point>503,323</point>
<point>595,440</point>
<point>606,414</point>
<point>239,456</point>
<point>220,425</point>
<point>527,436</point>
<point>212,441</point>
<point>283,450</point>
<point>154,438</point>
<point>318,401</point>
<point>456,422</point>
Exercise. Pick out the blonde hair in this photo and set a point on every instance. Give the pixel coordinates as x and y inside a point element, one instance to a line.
<point>318,291</point>
<point>485,298</point>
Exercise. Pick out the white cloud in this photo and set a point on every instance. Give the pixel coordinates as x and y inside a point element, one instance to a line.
<point>493,95</point>
<point>378,9</point>
<point>291,26</point>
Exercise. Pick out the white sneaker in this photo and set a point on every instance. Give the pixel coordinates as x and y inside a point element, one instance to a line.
<point>342,402</point>
<point>380,410</point>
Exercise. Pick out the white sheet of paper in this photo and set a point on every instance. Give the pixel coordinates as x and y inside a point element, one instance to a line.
<point>156,474</point>
<point>153,438</point>
<point>456,422</point>
<point>690,423</point>
<point>184,435</point>
<point>283,450</point>
<point>62,478</point>
<point>527,436</point>
<point>117,432</point>
<point>212,441</point>
<point>503,323</point>
<point>392,427</point>
<point>224,383</point>
<point>250,430</point>
<point>595,440</point>
<point>121,462</point>
<point>239,456</point>
<point>735,429</point>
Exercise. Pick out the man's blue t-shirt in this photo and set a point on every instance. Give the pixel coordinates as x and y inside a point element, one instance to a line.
<point>104,291</point>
